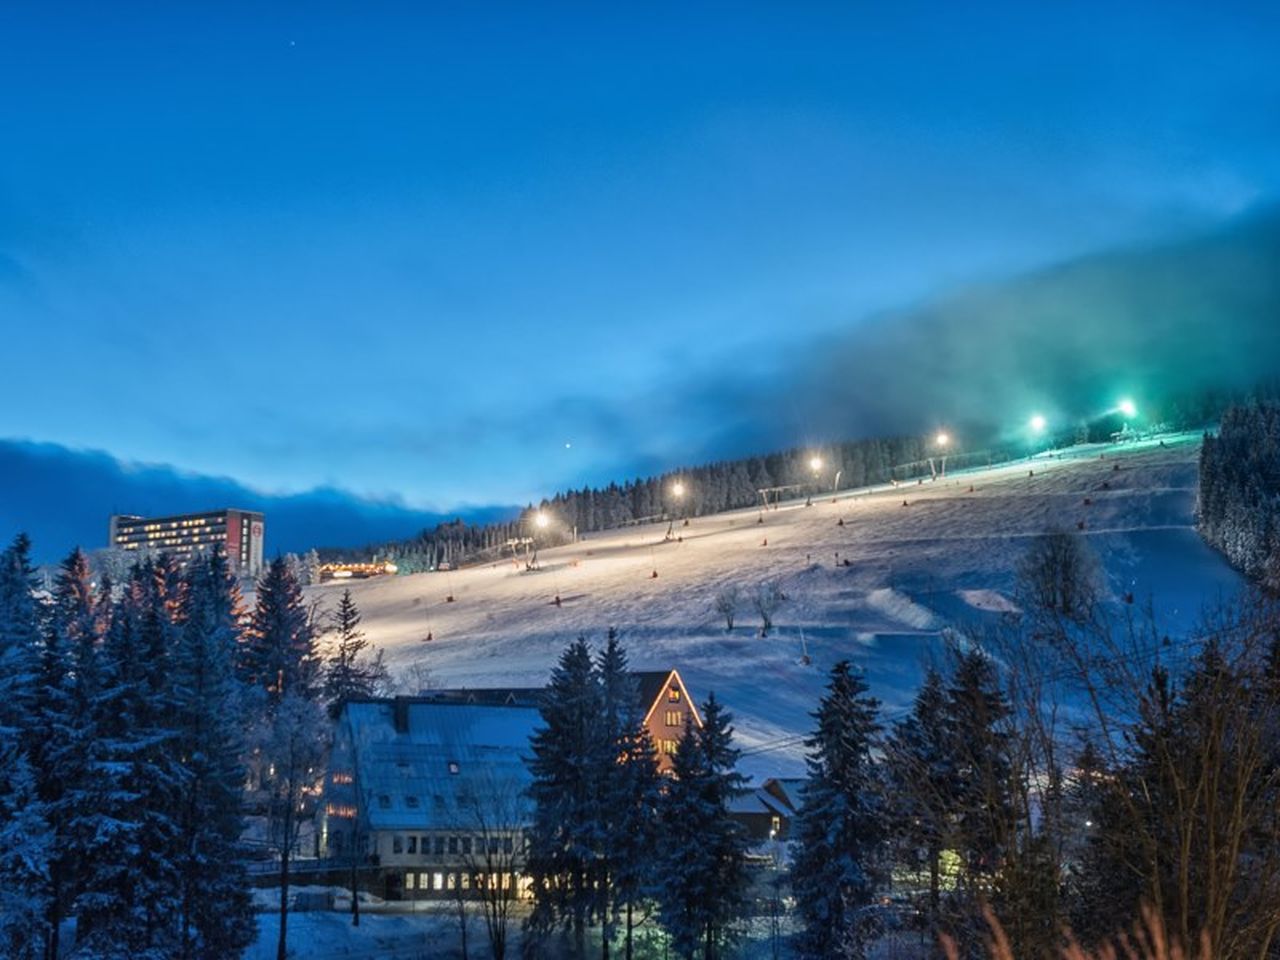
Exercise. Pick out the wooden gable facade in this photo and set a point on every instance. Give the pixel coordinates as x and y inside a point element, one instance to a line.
<point>667,706</point>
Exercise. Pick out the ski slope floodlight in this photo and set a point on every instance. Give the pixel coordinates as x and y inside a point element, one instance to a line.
<point>541,520</point>
<point>815,464</point>
<point>1128,408</point>
<point>677,488</point>
<point>1038,423</point>
<point>942,439</point>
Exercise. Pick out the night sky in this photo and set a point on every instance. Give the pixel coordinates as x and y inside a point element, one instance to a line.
<point>448,258</point>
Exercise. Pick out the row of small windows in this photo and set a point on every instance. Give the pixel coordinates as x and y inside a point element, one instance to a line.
<point>453,846</point>
<point>424,881</point>
<point>675,718</point>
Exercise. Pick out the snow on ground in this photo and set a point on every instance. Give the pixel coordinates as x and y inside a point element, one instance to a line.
<point>330,936</point>
<point>921,557</point>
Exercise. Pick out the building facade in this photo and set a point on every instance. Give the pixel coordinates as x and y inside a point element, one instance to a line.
<point>425,797</point>
<point>239,532</point>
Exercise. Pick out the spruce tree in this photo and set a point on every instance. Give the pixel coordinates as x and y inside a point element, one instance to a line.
<point>977,716</point>
<point>126,829</point>
<point>26,839</point>
<point>566,757</point>
<point>349,673</point>
<point>839,860</point>
<point>704,878</point>
<point>921,773</point>
<point>67,689</point>
<point>278,654</point>
<point>215,918</point>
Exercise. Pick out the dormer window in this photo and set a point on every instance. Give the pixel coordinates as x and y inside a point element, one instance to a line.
<point>453,767</point>
<point>411,801</point>
<point>384,801</point>
<point>673,695</point>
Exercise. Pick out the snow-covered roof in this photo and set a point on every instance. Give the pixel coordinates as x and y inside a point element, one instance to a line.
<point>424,764</point>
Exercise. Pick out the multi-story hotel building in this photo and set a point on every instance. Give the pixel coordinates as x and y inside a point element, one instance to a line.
<point>239,532</point>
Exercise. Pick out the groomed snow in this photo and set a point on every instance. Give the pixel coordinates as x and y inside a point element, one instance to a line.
<point>946,557</point>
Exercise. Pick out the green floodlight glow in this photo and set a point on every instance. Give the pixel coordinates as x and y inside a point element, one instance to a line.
<point>1038,423</point>
<point>1128,408</point>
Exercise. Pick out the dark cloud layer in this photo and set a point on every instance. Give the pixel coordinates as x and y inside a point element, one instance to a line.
<point>1158,323</point>
<point>63,497</point>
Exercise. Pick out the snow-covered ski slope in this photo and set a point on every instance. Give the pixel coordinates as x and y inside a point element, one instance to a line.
<point>946,558</point>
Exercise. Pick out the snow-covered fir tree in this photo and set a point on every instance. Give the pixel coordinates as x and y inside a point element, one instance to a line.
<point>567,753</point>
<point>125,821</point>
<point>840,830</point>
<point>25,836</point>
<point>66,694</point>
<point>977,716</point>
<point>214,918</point>
<point>921,782</point>
<point>278,653</point>
<point>350,672</point>
<point>703,875</point>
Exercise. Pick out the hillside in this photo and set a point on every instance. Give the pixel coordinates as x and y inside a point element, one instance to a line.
<point>946,558</point>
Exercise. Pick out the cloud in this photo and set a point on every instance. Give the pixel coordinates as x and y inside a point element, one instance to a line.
<point>1157,323</point>
<point>63,498</point>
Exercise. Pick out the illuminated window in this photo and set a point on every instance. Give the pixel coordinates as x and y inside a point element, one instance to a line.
<point>673,695</point>
<point>667,746</point>
<point>437,881</point>
<point>675,718</point>
<point>408,881</point>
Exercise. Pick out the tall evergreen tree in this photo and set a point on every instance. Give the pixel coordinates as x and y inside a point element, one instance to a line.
<point>214,918</point>
<point>922,783</point>
<point>977,716</point>
<point>25,837</point>
<point>66,692</point>
<point>839,862</point>
<point>278,653</point>
<point>125,827</point>
<point>566,756</point>
<point>704,877</point>
<point>349,672</point>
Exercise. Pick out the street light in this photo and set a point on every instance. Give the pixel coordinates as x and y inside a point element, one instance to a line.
<point>943,440</point>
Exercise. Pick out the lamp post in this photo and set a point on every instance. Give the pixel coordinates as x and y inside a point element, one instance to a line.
<point>943,442</point>
<point>1037,424</point>
<point>677,492</point>
<point>540,522</point>
<point>815,467</point>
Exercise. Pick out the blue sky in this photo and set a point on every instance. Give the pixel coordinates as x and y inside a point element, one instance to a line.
<point>470,255</point>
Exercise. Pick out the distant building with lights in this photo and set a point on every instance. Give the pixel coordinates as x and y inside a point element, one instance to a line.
<point>238,532</point>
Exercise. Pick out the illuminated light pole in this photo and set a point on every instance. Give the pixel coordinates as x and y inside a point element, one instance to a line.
<point>540,522</point>
<point>1128,408</point>
<point>677,491</point>
<point>943,443</point>
<point>815,466</point>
